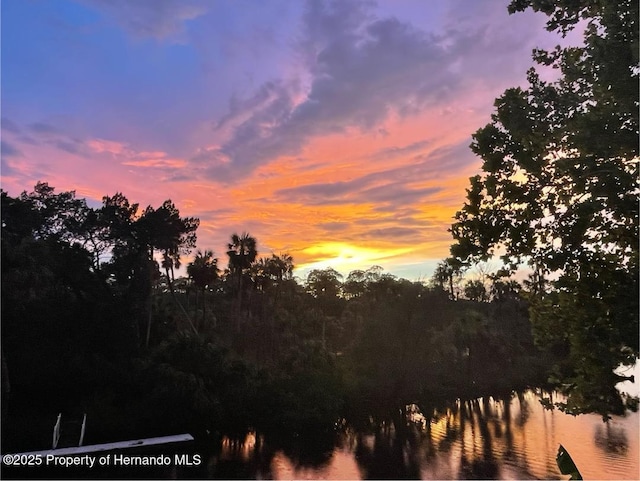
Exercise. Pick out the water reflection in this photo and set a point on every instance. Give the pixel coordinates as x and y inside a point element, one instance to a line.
<point>388,458</point>
<point>241,459</point>
<point>512,438</point>
<point>611,439</point>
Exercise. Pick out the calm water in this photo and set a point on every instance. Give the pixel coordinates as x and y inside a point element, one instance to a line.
<point>484,439</point>
<point>481,439</point>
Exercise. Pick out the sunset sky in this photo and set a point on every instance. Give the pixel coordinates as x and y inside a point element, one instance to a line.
<point>336,132</point>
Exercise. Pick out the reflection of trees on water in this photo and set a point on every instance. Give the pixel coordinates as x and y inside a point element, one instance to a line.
<point>252,457</point>
<point>487,438</point>
<point>548,435</point>
<point>314,450</point>
<point>452,433</point>
<point>611,439</point>
<point>525,410</point>
<point>241,459</point>
<point>508,433</point>
<point>486,431</point>
<point>472,426</point>
<point>479,463</point>
<point>478,439</point>
<point>390,457</point>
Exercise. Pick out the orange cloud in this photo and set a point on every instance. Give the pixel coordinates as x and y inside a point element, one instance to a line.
<point>349,200</point>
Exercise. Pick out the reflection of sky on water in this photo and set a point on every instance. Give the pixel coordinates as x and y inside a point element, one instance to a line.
<point>490,439</point>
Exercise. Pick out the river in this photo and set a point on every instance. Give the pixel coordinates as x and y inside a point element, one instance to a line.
<point>482,439</point>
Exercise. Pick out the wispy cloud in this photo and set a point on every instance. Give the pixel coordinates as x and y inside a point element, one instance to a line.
<point>156,162</point>
<point>9,150</point>
<point>360,70</point>
<point>159,19</point>
<point>43,128</point>
<point>402,234</point>
<point>393,152</point>
<point>107,146</point>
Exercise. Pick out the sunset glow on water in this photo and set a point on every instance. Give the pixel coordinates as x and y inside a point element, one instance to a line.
<point>483,440</point>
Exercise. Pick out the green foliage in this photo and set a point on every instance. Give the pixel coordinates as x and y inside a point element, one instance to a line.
<point>324,283</point>
<point>195,386</point>
<point>559,190</point>
<point>474,290</point>
<point>416,346</point>
<point>301,395</point>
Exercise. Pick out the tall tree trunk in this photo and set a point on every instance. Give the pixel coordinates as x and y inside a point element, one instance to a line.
<point>239,301</point>
<point>149,301</point>
<point>213,305</point>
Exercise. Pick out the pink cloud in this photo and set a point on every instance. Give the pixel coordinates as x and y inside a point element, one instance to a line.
<point>101,146</point>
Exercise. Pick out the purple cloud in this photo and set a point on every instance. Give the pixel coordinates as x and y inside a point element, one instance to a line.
<point>392,233</point>
<point>359,70</point>
<point>395,152</point>
<point>42,128</point>
<point>8,150</point>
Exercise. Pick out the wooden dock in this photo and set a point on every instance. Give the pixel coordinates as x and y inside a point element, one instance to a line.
<point>99,448</point>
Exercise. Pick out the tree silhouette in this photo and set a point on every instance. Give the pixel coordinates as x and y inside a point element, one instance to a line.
<point>559,190</point>
<point>242,254</point>
<point>447,276</point>
<point>203,271</point>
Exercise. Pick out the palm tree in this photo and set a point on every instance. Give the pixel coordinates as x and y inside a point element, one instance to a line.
<point>284,266</point>
<point>203,271</point>
<point>242,254</point>
<point>448,271</point>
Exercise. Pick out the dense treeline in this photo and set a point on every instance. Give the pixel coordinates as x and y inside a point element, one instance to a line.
<point>94,320</point>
